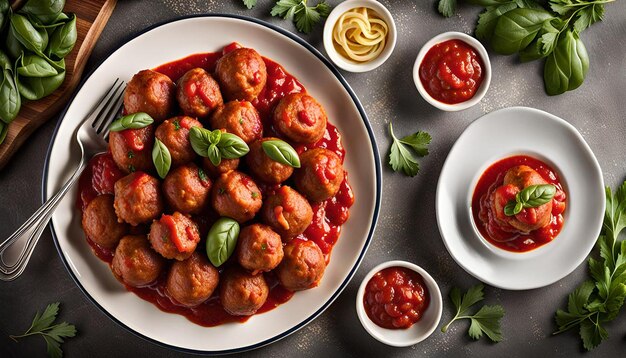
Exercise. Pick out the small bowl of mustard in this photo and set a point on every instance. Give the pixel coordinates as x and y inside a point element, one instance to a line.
<point>359,35</point>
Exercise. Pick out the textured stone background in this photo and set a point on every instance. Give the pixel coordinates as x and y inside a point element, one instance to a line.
<point>407,227</point>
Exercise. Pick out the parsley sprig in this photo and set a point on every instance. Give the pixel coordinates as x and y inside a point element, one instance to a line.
<point>486,320</point>
<point>600,300</point>
<point>298,11</point>
<point>401,157</point>
<point>52,334</point>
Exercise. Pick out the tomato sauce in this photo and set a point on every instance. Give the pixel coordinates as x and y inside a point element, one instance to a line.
<point>396,298</point>
<point>328,216</point>
<point>490,181</point>
<point>451,71</point>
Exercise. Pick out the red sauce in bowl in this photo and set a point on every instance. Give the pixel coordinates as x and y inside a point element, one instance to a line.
<point>490,181</point>
<point>451,72</point>
<point>396,298</point>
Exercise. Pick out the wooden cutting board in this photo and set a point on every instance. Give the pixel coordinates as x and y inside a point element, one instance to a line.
<point>91,17</point>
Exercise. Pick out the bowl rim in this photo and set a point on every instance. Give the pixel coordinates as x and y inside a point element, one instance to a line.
<point>484,86</point>
<point>436,303</point>
<point>338,59</point>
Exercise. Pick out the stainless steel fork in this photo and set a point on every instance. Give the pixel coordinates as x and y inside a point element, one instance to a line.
<point>91,137</point>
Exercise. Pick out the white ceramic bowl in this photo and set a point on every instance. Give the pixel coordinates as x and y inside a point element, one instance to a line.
<point>353,66</point>
<point>419,331</point>
<point>484,86</point>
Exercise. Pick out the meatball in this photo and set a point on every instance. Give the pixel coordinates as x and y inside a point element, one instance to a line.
<point>236,196</point>
<point>239,118</point>
<point>198,94</point>
<point>259,248</point>
<point>100,222</point>
<point>320,174</point>
<point>302,267</point>
<point>300,118</point>
<point>264,167</point>
<point>225,166</point>
<point>135,263</point>
<point>137,198</point>
<point>242,293</point>
<point>151,92</point>
<point>174,236</point>
<point>187,189</point>
<point>192,281</point>
<point>287,212</point>
<point>242,74</point>
<point>174,133</point>
<point>131,149</point>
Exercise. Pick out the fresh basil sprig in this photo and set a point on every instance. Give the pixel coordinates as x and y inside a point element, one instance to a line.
<point>222,240</point>
<point>161,158</point>
<point>280,151</point>
<point>532,196</point>
<point>216,145</point>
<point>132,121</point>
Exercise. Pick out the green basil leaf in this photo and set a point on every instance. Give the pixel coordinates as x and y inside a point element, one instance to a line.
<point>34,88</point>
<point>232,147</point>
<point>132,121</point>
<point>280,151</point>
<point>517,28</point>
<point>13,46</point>
<point>47,11</point>
<point>5,61</point>
<point>35,66</point>
<point>509,208</point>
<point>543,44</point>
<point>215,136</point>
<point>518,208</point>
<point>63,39</point>
<point>4,129</point>
<point>488,19</point>
<point>566,67</point>
<point>4,13</point>
<point>10,100</point>
<point>536,195</point>
<point>214,154</point>
<point>161,158</point>
<point>222,240</point>
<point>200,139</point>
<point>31,38</point>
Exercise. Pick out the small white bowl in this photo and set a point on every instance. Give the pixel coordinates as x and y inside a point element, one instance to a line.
<point>480,93</point>
<point>353,66</point>
<point>419,331</point>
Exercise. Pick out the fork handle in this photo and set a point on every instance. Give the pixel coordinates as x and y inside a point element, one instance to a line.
<point>33,228</point>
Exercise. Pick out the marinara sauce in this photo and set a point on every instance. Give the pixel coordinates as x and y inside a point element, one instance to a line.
<point>451,71</point>
<point>396,298</point>
<point>504,238</point>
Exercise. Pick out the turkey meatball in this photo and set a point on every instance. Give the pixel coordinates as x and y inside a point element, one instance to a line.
<point>192,281</point>
<point>100,222</point>
<point>137,198</point>
<point>135,263</point>
<point>264,167</point>
<point>320,174</point>
<point>300,118</point>
<point>259,248</point>
<point>187,189</point>
<point>131,149</point>
<point>239,118</point>
<point>174,133</point>
<point>287,212</point>
<point>174,236</point>
<point>236,196</point>
<point>302,267</point>
<point>242,74</point>
<point>150,92</point>
<point>241,293</point>
<point>198,94</point>
<point>225,166</point>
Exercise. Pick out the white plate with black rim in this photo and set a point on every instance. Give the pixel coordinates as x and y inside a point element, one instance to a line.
<point>501,134</point>
<point>171,41</point>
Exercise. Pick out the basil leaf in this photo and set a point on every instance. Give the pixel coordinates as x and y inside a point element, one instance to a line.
<point>35,66</point>
<point>132,121</point>
<point>488,19</point>
<point>232,147</point>
<point>280,151</point>
<point>4,13</point>
<point>214,154</point>
<point>5,61</point>
<point>566,67</point>
<point>509,208</point>
<point>222,240</point>
<point>34,88</point>
<point>13,46</point>
<point>161,158</point>
<point>517,28</point>
<point>31,38</point>
<point>536,195</point>
<point>215,136</point>
<point>47,11</point>
<point>200,139</point>
<point>10,100</point>
<point>4,129</point>
<point>63,39</point>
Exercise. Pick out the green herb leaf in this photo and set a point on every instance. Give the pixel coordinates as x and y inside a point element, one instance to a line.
<point>447,8</point>
<point>132,121</point>
<point>202,175</point>
<point>517,28</point>
<point>47,11</point>
<point>4,129</point>
<point>10,100</point>
<point>222,240</point>
<point>532,196</point>
<point>567,66</point>
<point>200,139</point>
<point>400,158</point>
<point>304,16</point>
<point>419,142</point>
<point>213,153</point>
<point>63,39</point>
<point>588,15</point>
<point>249,3</point>
<point>161,158</point>
<point>35,66</point>
<point>32,39</point>
<point>34,88</point>
<point>281,152</point>
<point>488,19</point>
<point>232,147</point>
